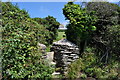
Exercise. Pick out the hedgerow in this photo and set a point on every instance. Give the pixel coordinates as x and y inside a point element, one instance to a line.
<point>21,58</point>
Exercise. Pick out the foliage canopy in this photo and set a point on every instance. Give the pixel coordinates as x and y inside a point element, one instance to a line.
<point>80,26</point>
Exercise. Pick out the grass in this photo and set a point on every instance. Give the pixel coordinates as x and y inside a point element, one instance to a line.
<point>48,48</point>
<point>61,35</point>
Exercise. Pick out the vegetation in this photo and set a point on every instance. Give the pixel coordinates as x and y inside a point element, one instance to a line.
<point>81,24</point>
<point>90,67</point>
<point>107,34</point>
<point>95,26</point>
<point>61,35</point>
<point>95,29</point>
<point>20,35</point>
<point>51,25</point>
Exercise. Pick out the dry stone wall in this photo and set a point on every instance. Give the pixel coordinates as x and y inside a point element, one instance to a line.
<point>42,48</point>
<point>65,53</point>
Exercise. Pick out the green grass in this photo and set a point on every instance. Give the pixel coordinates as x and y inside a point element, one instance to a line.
<point>60,35</point>
<point>48,48</point>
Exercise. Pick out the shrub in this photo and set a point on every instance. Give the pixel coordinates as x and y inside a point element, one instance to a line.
<point>106,37</point>
<point>20,35</point>
<point>87,66</point>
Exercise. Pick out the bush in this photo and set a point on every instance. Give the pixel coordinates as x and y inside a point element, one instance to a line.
<point>20,35</point>
<point>106,37</point>
<point>88,66</point>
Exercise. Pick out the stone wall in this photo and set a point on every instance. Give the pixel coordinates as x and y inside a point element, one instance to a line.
<point>65,53</point>
<point>41,49</point>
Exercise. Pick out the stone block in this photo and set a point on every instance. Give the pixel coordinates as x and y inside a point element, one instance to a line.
<point>65,53</point>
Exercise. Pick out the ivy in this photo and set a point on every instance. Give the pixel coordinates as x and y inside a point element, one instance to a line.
<point>20,35</point>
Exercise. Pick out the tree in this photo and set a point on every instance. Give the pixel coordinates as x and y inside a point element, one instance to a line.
<point>80,26</point>
<point>107,22</point>
<point>51,25</point>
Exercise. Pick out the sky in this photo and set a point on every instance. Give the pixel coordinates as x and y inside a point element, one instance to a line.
<point>43,9</point>
<point>59,0</point>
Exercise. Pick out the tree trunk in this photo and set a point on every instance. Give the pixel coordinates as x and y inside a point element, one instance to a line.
<point>82,46</point>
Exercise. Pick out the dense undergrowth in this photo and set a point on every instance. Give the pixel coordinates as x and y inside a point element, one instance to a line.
<point>89,66</point>
<point>21,58</point>
<point>96,25</point>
